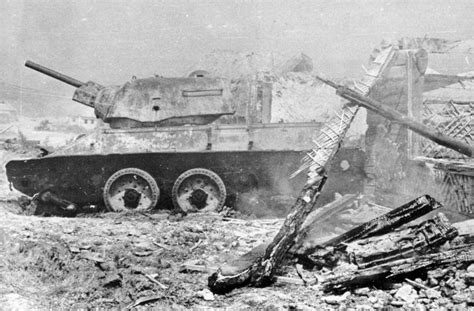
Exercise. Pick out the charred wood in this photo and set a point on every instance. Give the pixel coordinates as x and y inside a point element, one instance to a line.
<point>261,272</point>
<point>380,225</point>
<point>462,254</point>
<point>413,241</point>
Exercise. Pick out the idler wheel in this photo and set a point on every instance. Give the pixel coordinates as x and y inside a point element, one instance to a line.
<point>131,189</point>
<point>198,189</point>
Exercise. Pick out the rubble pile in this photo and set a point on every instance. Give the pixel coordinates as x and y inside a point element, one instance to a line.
<point>424,265</point>
<point>448,287</point>
<point>138,260</point>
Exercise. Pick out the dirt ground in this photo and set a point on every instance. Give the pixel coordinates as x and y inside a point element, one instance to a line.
<point>134,261</point>
<point>104,260</point>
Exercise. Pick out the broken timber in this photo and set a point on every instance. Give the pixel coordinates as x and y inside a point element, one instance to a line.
<point>405,243</point>
<point>380,225</point>
<point>389,270</point>
<point>374,252</point>
<point>396,116</point>
<point>395,245</point>
<point>261,272</point>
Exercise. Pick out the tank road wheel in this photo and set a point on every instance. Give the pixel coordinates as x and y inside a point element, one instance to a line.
<point>131,189</point>
<point>198,189</point>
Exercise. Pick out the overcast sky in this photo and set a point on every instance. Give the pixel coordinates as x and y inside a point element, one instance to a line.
<point>109,41</point>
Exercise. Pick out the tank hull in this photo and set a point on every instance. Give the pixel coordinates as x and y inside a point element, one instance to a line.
<point>81,178</point>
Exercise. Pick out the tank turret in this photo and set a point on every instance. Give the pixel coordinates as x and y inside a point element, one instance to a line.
<point>151,102</point>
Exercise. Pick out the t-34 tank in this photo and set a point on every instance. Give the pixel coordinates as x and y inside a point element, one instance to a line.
<point>176,140</point>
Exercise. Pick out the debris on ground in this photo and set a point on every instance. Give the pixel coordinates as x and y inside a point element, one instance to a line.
<point>112,260</point>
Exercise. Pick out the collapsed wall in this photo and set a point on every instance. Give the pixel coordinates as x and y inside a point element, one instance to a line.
<point>397,168</point>
<point>388,143</point>
<point>451,111</point>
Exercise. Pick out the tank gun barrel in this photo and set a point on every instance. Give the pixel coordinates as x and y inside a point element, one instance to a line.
<point>54,74</point>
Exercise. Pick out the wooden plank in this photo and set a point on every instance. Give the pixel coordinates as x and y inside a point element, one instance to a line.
<point>385,223</point>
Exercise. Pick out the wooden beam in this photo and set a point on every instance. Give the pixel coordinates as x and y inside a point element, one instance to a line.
<point>396,116</point>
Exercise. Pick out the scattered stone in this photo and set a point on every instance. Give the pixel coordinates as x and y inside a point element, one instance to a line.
<point>461,306</point>
<point>364,291</point>
<point>333,300</point>
<point>254,300</point>
<point>68,230</point>
<point>397,303</point>
<point>432,293</point>
<point>469,278</point>
<point>460,297</point>
<point>373,300</point>
<point>144,245</point>
<point>432,281</point>
<point>85,246</point>
<point>382,296</point>
<point>459,285</point>
<point>74,249</point>
<point>137,270</point>
<point>424,300</point>
<point>107,266</point>
<point>406,293</point>
<point>92,256</point>
<point>443,301</point>
<point>206,294</point>
<point>145,300</point>
<point>142,254</point>
<point>114,280</point>
<point>336,299</point>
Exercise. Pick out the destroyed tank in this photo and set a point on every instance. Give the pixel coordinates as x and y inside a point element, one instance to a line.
<point>179,142</point>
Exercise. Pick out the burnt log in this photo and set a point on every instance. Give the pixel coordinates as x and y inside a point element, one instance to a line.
<point>261,272</point>
<point>414,240</point>
<point>377,226</point>
<point>393,270</point>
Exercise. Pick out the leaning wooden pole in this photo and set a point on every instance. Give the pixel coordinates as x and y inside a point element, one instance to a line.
<point>393,115</point>
<point>261,272</point>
